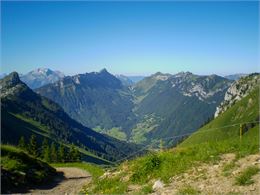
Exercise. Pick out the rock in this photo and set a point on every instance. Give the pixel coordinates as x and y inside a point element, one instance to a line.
<point>158,185</point>
<point>235,172</point>
<point>105,175</point>
<point>133,188</point>
<point>237,91</point>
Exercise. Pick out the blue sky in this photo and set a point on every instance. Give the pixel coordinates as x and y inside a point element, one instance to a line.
<point>132,38</point>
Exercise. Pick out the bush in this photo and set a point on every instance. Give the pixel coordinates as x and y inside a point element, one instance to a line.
<point>245,178</point>
<point>146,167</point>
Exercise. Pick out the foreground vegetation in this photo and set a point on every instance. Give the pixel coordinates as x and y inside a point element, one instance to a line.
<point>49,152</point>
<point>245,178</point>
<point>166,164</point>
<point>20,170</point>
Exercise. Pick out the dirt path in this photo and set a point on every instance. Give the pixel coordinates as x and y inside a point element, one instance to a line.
<point>70,180</point>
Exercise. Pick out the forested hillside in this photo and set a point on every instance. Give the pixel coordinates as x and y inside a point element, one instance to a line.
<point>25,113</point>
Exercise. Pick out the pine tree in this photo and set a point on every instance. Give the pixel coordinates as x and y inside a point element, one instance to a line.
<point>70,156</point>
<point>45,151</point>
<point>32,147</point>
<point>53,153</point>
<point>74,154</point>
<point>61,154</point>
<point>21,143</point>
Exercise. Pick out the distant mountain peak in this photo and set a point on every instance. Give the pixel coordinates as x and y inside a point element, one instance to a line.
<point>42,69</point>
<point>158,73</point>
<point>103,71</point>
<point>41,76</point>
<point>161,76</point>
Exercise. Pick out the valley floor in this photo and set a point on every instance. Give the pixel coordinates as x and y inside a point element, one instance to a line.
<point>69,181</point>
<point>216,178</point>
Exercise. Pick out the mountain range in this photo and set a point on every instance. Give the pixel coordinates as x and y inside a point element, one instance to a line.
<point>160,105</point>
<point>23,113</point>
<point>157,107</point>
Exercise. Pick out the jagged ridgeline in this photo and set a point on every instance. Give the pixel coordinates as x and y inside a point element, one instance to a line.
<point>238,111</point>
<point>25,113</point>
<point>159,106</point>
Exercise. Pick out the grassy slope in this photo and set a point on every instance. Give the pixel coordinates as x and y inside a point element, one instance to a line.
<point>20,170</point>
<point>245,110</point>
<point>203,146</point>
<point>94,170</point>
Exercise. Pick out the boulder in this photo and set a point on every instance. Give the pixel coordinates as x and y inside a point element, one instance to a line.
<point>158,185</point>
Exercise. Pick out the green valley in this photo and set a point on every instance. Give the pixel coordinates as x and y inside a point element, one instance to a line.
<point>157,106</point>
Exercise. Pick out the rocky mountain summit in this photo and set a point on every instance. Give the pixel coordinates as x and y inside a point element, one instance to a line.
<point>203,87</point>
<point>40,77</point>
<point>237,91</point>
<point>10,84</point>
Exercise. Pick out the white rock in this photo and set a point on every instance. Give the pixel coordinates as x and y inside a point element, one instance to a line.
<point>158,185</point>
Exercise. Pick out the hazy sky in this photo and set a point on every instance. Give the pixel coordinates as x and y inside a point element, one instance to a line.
<point>132,38</point>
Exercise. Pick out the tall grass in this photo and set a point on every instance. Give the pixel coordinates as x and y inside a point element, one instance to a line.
<point>245,178</point>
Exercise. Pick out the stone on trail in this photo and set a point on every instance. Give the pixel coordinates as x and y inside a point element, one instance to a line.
<point>158,185</point>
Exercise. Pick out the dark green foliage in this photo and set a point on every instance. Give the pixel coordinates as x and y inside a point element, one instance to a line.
<point>45,150</point>
<point>32,146</point>
<point>46,154</point>
<point>73,154</point>
<point>18,169</point>
<point>61,153</point>
<point>21,143</point>
<point>53,151</point>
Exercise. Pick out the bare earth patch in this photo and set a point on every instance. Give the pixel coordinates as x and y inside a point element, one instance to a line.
<point>209,178</point>
<point>69,181</point>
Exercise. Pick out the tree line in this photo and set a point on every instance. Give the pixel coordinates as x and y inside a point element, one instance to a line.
<point>49,152</point>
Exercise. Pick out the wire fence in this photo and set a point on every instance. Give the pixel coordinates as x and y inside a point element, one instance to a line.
<point>182,135</point>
